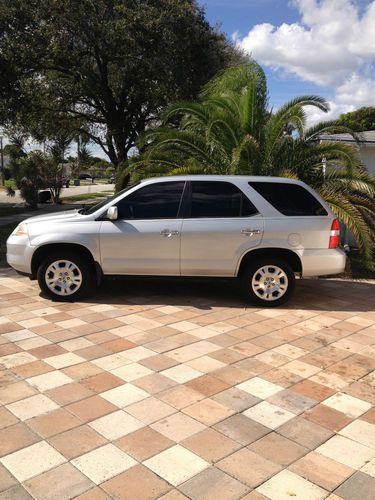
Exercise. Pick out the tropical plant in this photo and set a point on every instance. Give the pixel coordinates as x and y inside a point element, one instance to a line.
<point>36,171</point>
<point>28,177</point>
<point>83,151</point>
<point>231,131</point>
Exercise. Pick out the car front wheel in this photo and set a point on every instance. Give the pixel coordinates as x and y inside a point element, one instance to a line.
<point>66,277</point>
<point>268,282</point>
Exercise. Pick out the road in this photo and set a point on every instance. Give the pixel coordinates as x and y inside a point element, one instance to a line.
<point>71,191</point>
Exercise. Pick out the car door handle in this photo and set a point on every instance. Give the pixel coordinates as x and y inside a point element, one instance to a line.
<point>250,232</point>
<point>168,233</point>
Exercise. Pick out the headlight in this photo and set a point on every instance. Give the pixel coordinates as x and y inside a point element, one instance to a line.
<point>21,230</point>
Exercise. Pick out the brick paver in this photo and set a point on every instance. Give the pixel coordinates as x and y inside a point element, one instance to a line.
<point>180,390</point>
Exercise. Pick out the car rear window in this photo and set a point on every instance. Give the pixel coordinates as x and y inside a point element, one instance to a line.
<point>219,199</point>
<point>289,199</point>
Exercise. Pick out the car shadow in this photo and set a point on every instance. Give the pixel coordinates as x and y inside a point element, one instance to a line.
<point>207,294</point>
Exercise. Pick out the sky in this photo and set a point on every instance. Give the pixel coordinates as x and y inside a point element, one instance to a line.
<point>324,47</point>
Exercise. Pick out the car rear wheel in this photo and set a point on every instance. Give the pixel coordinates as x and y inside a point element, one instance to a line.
<point>66,277</point>
<point>268,282</point>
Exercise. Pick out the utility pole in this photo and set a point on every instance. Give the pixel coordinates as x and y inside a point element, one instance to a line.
<point>2,161</point>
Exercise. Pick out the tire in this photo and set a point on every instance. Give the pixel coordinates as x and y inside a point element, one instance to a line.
<point>79,280</point>
<point>254,282</point>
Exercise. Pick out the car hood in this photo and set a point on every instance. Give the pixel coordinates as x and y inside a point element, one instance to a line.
<point>66,215</point>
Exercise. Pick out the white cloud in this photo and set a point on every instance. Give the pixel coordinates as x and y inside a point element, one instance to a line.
<point>356,91</point>
<point>332,45</point>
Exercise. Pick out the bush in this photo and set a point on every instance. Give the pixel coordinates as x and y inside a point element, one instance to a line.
<point>37,171</point>
<point>109,171</point>
<point>29,192</point>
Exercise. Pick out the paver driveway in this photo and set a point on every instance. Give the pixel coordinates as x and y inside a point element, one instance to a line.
<point>178,390</point>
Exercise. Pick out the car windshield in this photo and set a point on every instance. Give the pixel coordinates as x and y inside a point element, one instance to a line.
<point>90,209</point>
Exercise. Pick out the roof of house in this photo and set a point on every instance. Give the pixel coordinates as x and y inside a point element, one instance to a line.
<point>367,137</point>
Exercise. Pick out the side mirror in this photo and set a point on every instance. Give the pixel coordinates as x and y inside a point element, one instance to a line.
<point>112,213</point>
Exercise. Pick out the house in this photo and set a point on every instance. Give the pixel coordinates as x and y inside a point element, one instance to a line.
<point>367,153</point>
<point>366,146</point>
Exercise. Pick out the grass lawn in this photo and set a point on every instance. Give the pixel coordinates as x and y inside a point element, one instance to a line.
<point>9,183</point>
<point>84,182</point>
<point>88,182</point>
<point>87,196</point>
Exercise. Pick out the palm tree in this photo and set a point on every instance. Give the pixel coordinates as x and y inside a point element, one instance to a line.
<point>231,131</point>
<point>83,152</point>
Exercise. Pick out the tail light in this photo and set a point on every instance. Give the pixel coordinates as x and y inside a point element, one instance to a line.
<point>334,237</point>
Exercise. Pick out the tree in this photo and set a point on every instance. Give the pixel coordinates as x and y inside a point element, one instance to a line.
<point>360,120</point>
<point>230,131</point>
<point>109,66</point>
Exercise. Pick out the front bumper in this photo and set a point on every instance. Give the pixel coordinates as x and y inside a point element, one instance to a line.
<point>322,262</point>
<point>19,253</point>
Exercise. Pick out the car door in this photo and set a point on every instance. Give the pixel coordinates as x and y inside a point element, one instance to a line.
<point>145,239</point>
<point>219,226</point>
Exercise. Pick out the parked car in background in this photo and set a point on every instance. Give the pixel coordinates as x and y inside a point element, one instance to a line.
<point>260,230</point>
<point>85,177</point>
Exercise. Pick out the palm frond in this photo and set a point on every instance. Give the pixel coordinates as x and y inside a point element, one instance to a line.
<point>223,130</point>
<point>235,79</point>
<point>302,101</point>
<point>329,127</point>
<point>351,217</point>
<point>228,103</point>
<point>359,180</point>
<point>191,169</point>
<point>189,108</point>
<point>246,157</point>
<point>289,174</point>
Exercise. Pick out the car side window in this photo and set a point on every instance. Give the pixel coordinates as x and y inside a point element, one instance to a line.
<point>219,199</point>
<point>154,201</point>
<point>289,199</point>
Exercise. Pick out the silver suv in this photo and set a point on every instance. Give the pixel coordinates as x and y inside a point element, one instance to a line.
<point>261,230</point>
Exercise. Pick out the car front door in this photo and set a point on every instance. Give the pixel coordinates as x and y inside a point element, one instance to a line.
<point>220,225</point>
<point>146,237</point>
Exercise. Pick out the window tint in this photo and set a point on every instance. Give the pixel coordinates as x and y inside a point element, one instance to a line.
<point>155,201</point>
<point>289,199</point>
<point>91,209</point>
<point>219,199</point>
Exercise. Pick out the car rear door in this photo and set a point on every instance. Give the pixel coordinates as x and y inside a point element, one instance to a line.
<point>145,239</point>
<point>220,224</point>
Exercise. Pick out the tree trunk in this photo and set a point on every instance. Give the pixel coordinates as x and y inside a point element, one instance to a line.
<point>121,147</point>
<point>111,151</point>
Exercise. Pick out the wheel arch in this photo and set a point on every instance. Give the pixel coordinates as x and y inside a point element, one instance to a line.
<point>45,250</point>
<point>292,258</point>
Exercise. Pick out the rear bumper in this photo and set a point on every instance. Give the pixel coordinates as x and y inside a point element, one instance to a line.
<point>322,262</point>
